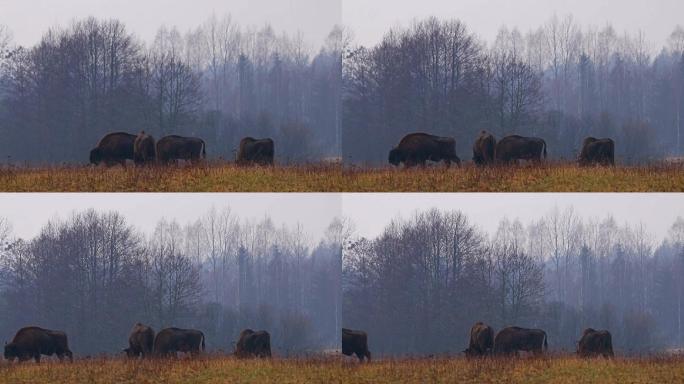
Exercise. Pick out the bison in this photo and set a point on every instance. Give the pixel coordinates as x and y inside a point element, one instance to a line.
<point>481,340</point>
<point>171,340</point>
<point>173,148</point>
<point>355,343</point>
<point>255,151</point>
<point>144,149</point>
<point>113,148</point>
<point>418,148</point>
<point>597,151</point>
<point>510,340</point>
<point>140,341</point>
<point>31,342</point>
<point>595,343</point>
<point>514,147</point>
<point>483,149</point>
<point>253,344</point>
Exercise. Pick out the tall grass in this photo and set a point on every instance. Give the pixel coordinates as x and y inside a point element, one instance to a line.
<point>563,369</point>
<point>221,177</point>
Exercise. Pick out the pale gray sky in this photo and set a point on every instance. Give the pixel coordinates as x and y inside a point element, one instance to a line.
<point>370,213</point>
<point>28,212</point>
<point>29,19</point>
<point>370,20</point>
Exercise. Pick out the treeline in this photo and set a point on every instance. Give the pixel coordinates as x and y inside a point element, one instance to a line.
<point>419,286</point>
<point>560,82</point>
<point>220,81</point>
<point>94,276</point>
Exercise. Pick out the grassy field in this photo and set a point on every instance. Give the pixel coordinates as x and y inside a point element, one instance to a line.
<point>216,177</point>
<point>458,370</point>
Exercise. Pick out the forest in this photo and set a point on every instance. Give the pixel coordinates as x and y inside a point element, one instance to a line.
<point>419,286</point>
<point>94,275</point>
<point>220,81</point>
<point>560,81</point>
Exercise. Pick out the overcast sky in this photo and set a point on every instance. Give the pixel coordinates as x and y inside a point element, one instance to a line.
<point>29,19</point>
<point>370,20</point>
<point>372,212</point>
<point>28,212</point>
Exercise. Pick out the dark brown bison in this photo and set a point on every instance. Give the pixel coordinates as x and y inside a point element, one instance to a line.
<point>595,343</point>
<point>418,148</point>
<point>510,340</point>
<point>355,343</point>
<point>31,342</point>
<point>253,344</point>
<point>481,340</point>
<point>140,341</point>
<point>483,149</point>
<point>144,149</point>
<point>513,148</point>
<point>255,151</point>
<point>171,340</point>
<point>113,148</point>
<point>597,151</point>
<point>173,147</point>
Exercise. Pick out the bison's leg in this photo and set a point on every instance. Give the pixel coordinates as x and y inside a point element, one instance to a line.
<point>36,357</point>
<point>359,355</point>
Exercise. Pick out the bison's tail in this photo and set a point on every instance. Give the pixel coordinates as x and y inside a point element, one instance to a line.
<point>544,142</point>
<point>203,348</point>
<point>546,345</point>
<point>204,152</point>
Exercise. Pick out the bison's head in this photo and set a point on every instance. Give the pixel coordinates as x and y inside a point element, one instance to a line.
<point>11,351</point>
<point>264,347</point>
<point>129,353</point>
<point>95,156</point>
<point>395,156</point>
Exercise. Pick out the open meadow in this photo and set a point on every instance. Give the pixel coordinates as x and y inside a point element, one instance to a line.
<point>329,370</point>
<point>222,177</point>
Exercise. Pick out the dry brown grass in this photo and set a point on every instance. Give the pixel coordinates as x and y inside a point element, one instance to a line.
<point>221,177</point>
<point>454,370</point>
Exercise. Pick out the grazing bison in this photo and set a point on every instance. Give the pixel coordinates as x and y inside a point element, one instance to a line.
<point>513,148</point>
<point>143,149</point>
<point>595,343</point>
<point>597,151</point>
<point>253,344</point>
<point>31,342</point>
<point>171,340</point>
<point>510,340</point>
<point>483,148</point>
<point>417,148</point>
<point>173,147</point>
<point>355,343</point>
<point>255,151</point>
<point>140,341</point>
<point>113,148</point>
<point>481,340</point>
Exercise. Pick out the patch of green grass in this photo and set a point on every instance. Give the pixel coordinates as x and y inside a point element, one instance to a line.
<point>221,177</point>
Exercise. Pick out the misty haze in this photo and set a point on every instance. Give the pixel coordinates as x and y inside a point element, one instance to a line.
<point>556,79</point>
<point>219,80</point>
<point>94,275</point>
<point>419,285</point>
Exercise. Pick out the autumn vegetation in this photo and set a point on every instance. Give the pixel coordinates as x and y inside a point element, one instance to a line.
<point>321,177</point>
<point>565,369</point>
